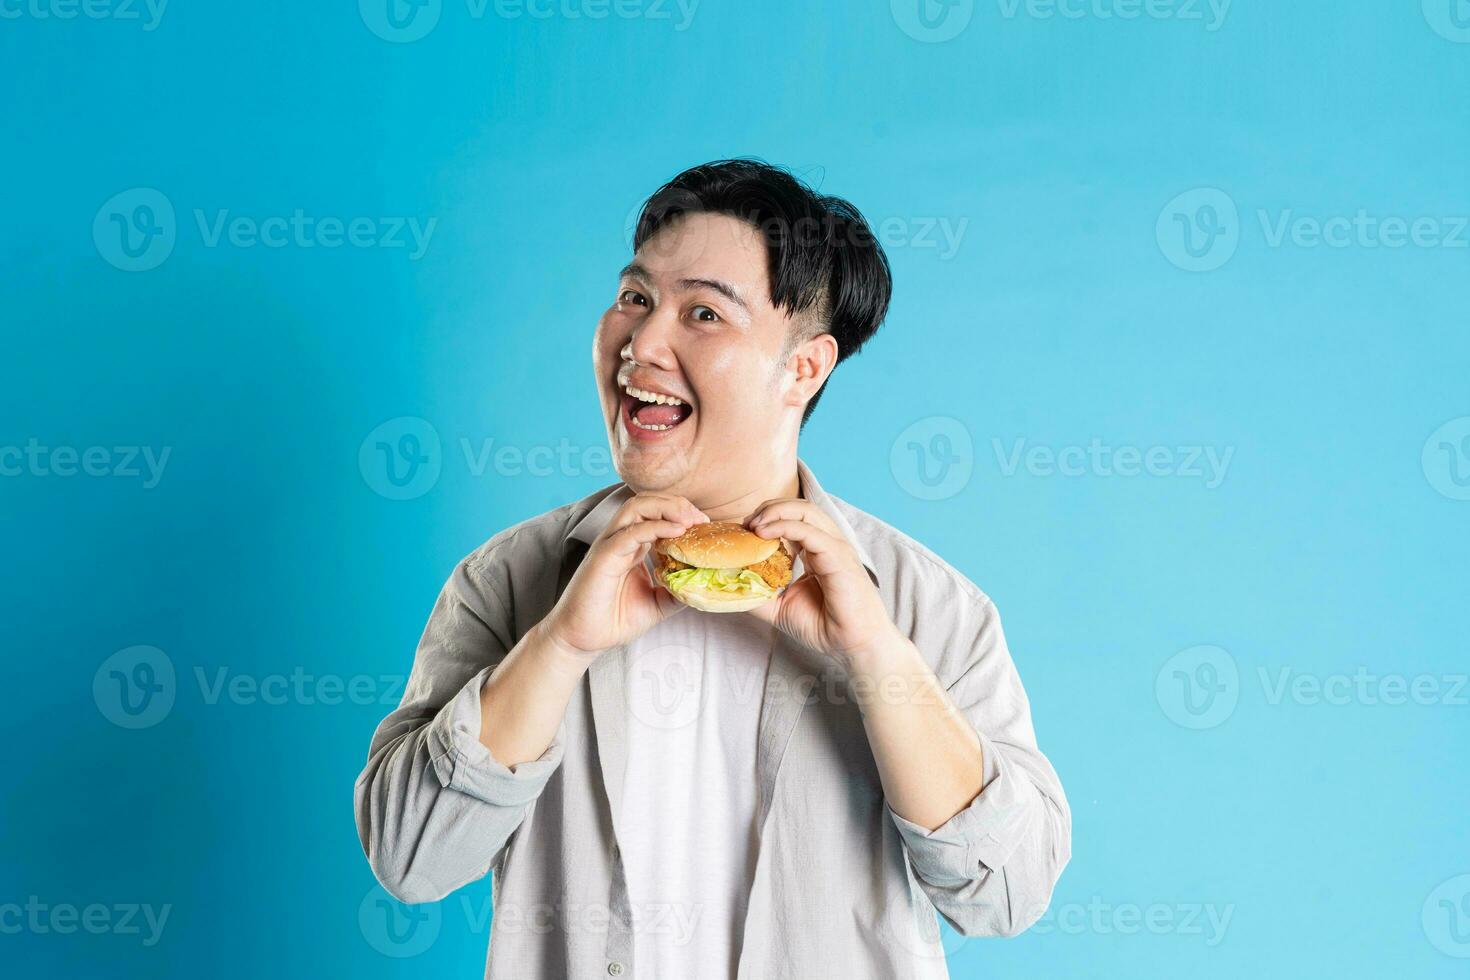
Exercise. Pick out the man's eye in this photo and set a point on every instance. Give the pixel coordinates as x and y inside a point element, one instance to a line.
<point>704,314</point>
<point>629,296</point>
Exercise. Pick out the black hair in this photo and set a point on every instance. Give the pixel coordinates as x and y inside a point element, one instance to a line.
<point>824,263</point>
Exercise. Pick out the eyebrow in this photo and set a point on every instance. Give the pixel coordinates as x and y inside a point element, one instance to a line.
<point>635,271</point>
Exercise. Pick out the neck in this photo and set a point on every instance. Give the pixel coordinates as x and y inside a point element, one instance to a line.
<point>737,503</point>
<point>772,474</point>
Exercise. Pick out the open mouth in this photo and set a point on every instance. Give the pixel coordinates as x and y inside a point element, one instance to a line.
<point>653,411</point>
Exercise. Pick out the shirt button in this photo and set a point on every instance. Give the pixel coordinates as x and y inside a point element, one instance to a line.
<point>615,968</point>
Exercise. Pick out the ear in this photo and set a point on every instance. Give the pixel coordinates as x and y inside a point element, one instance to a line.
<point>808,365</point>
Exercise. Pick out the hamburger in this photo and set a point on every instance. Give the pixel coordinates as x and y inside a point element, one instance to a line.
<point>722,567</point>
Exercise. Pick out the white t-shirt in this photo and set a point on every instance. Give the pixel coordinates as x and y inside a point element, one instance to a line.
<point>688,829</point>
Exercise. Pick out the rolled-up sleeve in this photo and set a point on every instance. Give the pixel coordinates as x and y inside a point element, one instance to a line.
<point>463,763</point>
<point>434,808</point>
<point>991,868</point>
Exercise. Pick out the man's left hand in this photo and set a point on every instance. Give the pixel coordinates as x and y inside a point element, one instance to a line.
<point>833,607</point>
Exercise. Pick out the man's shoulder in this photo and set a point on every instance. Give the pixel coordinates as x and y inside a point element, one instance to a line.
<point>535,537</point>
<point>897,557</point>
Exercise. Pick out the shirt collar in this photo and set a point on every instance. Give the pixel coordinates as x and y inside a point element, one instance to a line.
<point>592,523</point>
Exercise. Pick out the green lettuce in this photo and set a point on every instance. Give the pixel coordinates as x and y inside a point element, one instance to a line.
<point>736,581</point>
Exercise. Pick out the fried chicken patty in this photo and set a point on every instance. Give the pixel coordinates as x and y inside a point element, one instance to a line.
<point>775,570</point>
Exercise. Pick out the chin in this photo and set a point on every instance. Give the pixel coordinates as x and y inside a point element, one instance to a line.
<point>648,470</point>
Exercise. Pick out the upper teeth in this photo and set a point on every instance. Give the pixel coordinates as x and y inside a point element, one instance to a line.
<point>652,396</point>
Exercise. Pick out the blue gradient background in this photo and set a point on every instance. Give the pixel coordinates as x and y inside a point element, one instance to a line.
<point>1059,320</point>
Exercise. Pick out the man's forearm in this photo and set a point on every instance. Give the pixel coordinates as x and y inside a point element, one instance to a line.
<point>525,698</point>
<point>929,757</point>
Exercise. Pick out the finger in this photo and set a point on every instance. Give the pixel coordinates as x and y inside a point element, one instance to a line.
<point>642,581</point>
<point>790,509</point>
<point>773,501</point>
<point>803,595</point>
<point>766,505</point>
<point>630,543</point>
<point>664,599</point>
<point>823,552</point>
<point>655,506</point>
<point>767,612</point>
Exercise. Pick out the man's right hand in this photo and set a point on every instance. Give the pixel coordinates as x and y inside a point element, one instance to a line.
<point>612,599</point>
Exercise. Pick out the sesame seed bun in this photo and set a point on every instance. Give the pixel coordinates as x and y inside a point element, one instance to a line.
<point>718,544</point>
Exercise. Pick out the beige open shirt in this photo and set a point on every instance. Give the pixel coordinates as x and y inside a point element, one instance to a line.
<point>843,886</point>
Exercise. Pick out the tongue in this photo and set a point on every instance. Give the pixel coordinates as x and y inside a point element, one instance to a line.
<point>649,414</point>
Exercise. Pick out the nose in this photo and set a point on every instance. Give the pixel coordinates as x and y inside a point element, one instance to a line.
<point>650,343</point>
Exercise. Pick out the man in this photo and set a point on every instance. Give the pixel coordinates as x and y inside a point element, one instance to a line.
<point>667,793</point>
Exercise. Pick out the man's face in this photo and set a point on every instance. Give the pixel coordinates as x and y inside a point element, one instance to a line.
<point>693,319</point>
